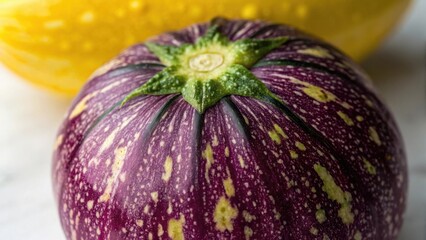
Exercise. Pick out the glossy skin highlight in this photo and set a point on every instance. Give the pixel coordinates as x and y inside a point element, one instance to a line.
<point>326,163</point>
<point>59,43</point>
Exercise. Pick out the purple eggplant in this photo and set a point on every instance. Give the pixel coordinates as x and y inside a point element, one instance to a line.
<point>230,130</point>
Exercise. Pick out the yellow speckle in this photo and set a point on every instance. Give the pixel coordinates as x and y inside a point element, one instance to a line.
<point>241,160</point>
<point>89,205</point>
<point>229,187</point>
<point>293,154</point>
<point>109,86</point>
<point>320,215</point>
<point>277,215</point>
<point>359,118</point>
<point>208,155</point>
<point>248,217</point>
<point>317,93</point>
<point>146,209</point>
<point>369,167</point>
<point>369,103</point>
<point>246,120</point>
<point>122,177</point>
<point>250,11</point>
<point>300,146</point>
<point>374,136</point>
<point>346,105</point>
<point>160,230</point>
<point>302,11</point>
<point>98,231</point>
<point>335,193</point>
<point>58,141</point>
<point>170,208</point>
<point>168,166</point>
<point>313,231</point>
<point>215,141</point>
<point>345,118</point>
<point>358,235</point>
<point>81,106</point>
<point>154,196</point>
<point>120,153</point>
<point>316,52</point>
<point>54,24</point>
<point>139,222</point>
<point>108,140</point>
<point>175,228</point>
<point>274,136</point>
<point>248,233</point>
<point>150,237</point>
<point>280,131</point>
<point>227,152</point>
<point>224,215</point>
<point>87,17</point>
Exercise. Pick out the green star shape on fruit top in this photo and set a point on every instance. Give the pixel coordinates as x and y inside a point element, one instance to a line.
<point>208,70</point>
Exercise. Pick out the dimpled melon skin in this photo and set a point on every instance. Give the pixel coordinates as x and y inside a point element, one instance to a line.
<point>59,43</point>
<point>327,163</point>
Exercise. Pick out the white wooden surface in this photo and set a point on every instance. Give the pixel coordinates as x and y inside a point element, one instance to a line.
<point>29,119</point>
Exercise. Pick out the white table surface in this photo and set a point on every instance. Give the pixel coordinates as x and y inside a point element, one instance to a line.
<point>30,117</point>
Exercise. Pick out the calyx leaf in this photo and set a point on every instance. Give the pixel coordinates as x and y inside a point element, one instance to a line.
<point>208,70</point>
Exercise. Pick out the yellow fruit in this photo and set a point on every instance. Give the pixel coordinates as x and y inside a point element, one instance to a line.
<point>58,43</point>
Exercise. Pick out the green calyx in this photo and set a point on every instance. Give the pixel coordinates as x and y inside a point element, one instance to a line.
<point>208,70</point>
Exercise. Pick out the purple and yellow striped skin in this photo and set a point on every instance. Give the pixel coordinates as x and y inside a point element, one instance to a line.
<point>325,163</point>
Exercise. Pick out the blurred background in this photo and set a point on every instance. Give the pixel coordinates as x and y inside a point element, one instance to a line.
<point>30,117</point>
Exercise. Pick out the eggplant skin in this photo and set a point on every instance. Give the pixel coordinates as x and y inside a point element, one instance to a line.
<point>324,161</point>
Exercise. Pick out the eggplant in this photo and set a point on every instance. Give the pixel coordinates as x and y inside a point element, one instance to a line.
<point>231,129</point>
